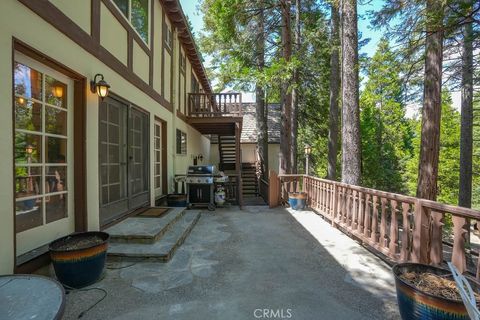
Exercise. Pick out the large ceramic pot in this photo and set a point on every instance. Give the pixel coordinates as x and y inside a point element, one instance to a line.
<point>79,258</point>
<point>297,200</point>
<point>415,304</point>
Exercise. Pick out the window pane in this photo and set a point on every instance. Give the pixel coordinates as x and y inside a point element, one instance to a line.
<point>140,17</point>
<point>28,115</point>
<point>28,214</point>
<point>55,92</point>
<point>56,150</point>
<point>55,121</point>
<point>56,207</point>
<point>28,181</point>
<point>28,81</point>
<point>56,179</point>
<point>28,148</point>
<point>123,6</point>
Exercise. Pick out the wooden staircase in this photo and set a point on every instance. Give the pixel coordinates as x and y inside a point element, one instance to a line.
<point>226,149</point>
<point>249,180</point>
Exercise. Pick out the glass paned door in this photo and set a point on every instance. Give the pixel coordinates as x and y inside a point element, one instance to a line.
<point>123,149</point>
<point>43,141</point>
<point>157,148</point>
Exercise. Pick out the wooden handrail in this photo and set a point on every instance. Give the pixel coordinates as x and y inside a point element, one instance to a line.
<point>214,104</point>
<point>402,228</point>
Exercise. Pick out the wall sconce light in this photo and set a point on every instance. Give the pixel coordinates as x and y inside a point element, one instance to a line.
<point>197,158</point>
<point>57,90</point>
<point>101,87</point>
<point>29,149</point>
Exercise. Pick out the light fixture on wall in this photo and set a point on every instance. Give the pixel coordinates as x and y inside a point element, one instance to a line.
<point>101,87</point>
<point>197,158</point>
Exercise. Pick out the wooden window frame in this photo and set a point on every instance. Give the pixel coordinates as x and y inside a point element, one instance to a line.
<point>129,20</point>
<point>179,149</point>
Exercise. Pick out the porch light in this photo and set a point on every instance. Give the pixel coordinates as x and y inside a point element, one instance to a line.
<point>101,87</point>
<point>29,149</point>
<point>57,91</point>
<point>308,150</point>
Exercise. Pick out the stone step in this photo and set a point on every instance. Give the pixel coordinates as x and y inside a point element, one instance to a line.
<point>144,229</point>
<point>163,249</point>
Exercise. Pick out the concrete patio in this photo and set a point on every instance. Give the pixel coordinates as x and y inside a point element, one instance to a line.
<point>236,263</point>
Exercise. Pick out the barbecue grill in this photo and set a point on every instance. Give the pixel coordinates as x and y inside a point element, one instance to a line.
<point>200,186</point>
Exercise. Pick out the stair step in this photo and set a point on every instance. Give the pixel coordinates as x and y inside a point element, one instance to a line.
<point>144,229</point>
<point>161,250</point>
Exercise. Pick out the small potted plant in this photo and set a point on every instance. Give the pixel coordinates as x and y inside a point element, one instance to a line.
<point>79,258</point>
<point>427,292</point>
<point>297,200</point>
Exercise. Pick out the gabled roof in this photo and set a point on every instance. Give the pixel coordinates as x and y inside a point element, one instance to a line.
<point>249,127</point>
<point>178,19</point>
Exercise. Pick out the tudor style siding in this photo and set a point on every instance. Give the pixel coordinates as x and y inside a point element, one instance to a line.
<point>89,37</point>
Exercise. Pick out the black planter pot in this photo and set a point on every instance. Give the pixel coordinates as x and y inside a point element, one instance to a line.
<point>76,262</point>
<point>415,304</point>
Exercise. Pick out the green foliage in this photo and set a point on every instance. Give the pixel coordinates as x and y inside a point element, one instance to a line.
<point>448,167</point>
<point>386,133</point>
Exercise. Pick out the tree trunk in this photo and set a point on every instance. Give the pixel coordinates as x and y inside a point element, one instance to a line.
<point>466,135</point>
<point>262,129</point>
<point>351,146</point>
<point>432,104</point>
<point>286,103</point>
<point>334,91</point>
<point>295,90</point>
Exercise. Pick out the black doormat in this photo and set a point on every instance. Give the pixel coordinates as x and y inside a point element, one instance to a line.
<point>153,213</point>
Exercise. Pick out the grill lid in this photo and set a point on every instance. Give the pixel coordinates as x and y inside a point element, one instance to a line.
<point>207,170</point>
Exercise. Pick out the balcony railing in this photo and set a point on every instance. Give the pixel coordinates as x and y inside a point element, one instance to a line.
<point>400,227</point>
<point>214,104</point>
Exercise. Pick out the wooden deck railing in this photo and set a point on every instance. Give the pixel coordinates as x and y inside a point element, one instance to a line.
<point>402,228</point>
<point>214,104</point>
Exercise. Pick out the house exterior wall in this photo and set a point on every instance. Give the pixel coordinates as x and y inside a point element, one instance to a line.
<point>117,63</point>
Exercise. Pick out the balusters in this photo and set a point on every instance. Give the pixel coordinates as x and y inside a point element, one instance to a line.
<point>436,246</point>
<point>361,212</point>
<point>393,246</point>
<point>348,211</point>
<point>354,209</point>
<point>374,233</point>
<point>383,223</point>
<point>405,232</point>
<point>366,218</point>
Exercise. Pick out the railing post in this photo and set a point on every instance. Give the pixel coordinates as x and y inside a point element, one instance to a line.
<point>420,233</point>
<point>273,189</point>
<point>458,254</point>
<point>335,203</point>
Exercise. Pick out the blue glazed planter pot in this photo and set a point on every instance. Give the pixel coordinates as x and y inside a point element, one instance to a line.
<point>297,200</point>
<point>77,265</point>
<point>415,304</point>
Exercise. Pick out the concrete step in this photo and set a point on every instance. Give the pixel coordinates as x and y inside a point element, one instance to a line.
<point>144,229</point>
<point>161,250</point>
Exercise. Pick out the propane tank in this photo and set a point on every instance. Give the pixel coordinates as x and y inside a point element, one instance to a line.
<point>220,196</point>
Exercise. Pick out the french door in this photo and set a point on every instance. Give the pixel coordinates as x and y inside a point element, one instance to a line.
<point>124,161</point>
<point>43,145</point>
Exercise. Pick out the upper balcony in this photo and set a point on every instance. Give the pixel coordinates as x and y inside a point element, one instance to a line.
<point>215,113</point>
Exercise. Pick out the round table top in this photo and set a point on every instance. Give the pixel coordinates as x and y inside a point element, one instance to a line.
<point>30,297</point>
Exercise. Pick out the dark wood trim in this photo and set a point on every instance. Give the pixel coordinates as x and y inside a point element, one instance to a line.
<point>152,43</point>
<point>80,154</point>
<point>79,140</point>
<point>130,50</point>
<point>95,21</point>
<point>164,155</point>
<point>162,82</point>
<point>13,154</point>
<point>126,24</point>
<point>61,22</point>
<point>185,89</point>
<point>182,116</point>
<point>172,62</point>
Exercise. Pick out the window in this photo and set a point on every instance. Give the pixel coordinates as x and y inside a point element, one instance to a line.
<point>137,12</point>
<point>182,63</point>
<point>195,85</point>
<point>41,137</point>
<point>157,175</point>
<point>181,142</point>
<point>167,36</point>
